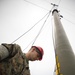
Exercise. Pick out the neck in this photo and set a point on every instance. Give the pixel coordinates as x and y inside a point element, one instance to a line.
<point>27,56</point>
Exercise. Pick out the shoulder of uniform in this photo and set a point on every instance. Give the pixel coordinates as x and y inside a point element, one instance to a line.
<point>13,48</point>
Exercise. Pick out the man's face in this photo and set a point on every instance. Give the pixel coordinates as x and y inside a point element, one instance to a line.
<point>34,55</point>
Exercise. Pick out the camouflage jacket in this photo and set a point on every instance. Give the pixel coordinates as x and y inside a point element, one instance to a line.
<point>16,63</point>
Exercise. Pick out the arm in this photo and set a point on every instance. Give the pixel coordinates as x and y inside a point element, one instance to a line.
<point>3,52</point>
<point>12,49</point>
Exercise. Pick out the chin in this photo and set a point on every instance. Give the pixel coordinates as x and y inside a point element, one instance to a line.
<point>32,60</point>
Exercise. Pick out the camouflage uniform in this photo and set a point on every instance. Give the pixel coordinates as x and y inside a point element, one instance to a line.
<point>16,63</point>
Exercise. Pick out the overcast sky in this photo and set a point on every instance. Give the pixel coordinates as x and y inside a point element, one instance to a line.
<point>18,16</point>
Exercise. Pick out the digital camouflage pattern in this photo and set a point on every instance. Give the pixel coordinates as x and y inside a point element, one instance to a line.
<point>16,63</point>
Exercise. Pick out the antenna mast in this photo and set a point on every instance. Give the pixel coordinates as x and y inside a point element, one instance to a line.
<point>65,58</point>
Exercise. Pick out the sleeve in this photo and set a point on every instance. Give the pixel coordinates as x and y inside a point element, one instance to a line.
<point>12,49</point>
<point>3,52</point>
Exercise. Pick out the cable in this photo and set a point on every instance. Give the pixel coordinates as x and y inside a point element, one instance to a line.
<point>59,2</point>
<point>68,12</point>
<point>41,28</point>
<point>48,1</point>
<point>52,34</point>
<point>28,45</point>
<point>67,8</point>
<point>29,29</point>
<point>36,5</point>
<point>69,21</point>
<point>38,33</point>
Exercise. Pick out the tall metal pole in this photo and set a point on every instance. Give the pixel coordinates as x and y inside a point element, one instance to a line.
<point>65,58</point>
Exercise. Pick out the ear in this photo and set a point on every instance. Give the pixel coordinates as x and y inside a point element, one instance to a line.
<point>32,49</point>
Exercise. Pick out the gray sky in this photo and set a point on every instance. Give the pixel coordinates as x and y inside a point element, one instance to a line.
<point>17,16</point>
